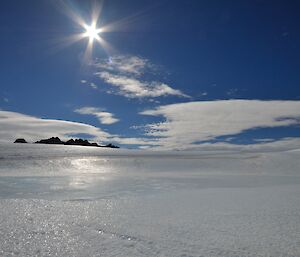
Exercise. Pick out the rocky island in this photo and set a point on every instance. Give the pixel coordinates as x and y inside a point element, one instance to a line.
<point>20,140</point>
<point>57,141</point>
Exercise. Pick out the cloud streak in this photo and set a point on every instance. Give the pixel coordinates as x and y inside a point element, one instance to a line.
<point>283,144</point>
<point>134,88</point>
<point>125,74</point>
<point>103,117</point>
<point>125,64</point>
<point>16,125</point>
<point>186,124</point>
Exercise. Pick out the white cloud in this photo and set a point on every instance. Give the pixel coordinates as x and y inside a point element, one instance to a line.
<point>124,73</point>
<point>134,88</point>
<point>16,125</point>
<point>93,85</point>
<point>124,64</point>
<point>284,144</point>
<point>188,123</point>
<point>136,141</point>
<point>264,140</point>
<point>104,117</point>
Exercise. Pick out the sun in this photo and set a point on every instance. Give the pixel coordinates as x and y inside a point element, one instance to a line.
<point>92,32</point>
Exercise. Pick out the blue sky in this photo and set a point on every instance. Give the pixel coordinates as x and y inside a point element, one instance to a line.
<point>163,57</point>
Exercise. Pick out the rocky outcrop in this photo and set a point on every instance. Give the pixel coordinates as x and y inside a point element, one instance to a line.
<point>20,140</point>
<point>51,141</point>
<point>82,142</point>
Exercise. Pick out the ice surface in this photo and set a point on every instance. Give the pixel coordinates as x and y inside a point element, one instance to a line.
<point>80,201</point>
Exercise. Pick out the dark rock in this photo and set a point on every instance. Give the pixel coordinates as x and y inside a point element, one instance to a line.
<point>20,140</point>
<point>57,141</point>
<point>52,141</point>
<point>111,146</point>
<point>70,142</point>
<point>80,142</point>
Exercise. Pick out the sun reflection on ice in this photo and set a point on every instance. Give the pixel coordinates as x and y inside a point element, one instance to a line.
<point>88,172</point>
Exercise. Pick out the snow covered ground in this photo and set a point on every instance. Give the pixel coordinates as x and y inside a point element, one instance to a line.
<point>81,201</point>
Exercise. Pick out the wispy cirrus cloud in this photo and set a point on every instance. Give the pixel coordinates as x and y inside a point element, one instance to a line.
<point>125,73</point>
<point>92,85</point>
<point>126,64</point>
<point>103,116</point>
<point>187,124</point>
<point>134,88</point>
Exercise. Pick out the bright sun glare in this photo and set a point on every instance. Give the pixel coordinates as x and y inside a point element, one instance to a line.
<point>89,31</point>
<point>92,32</point>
